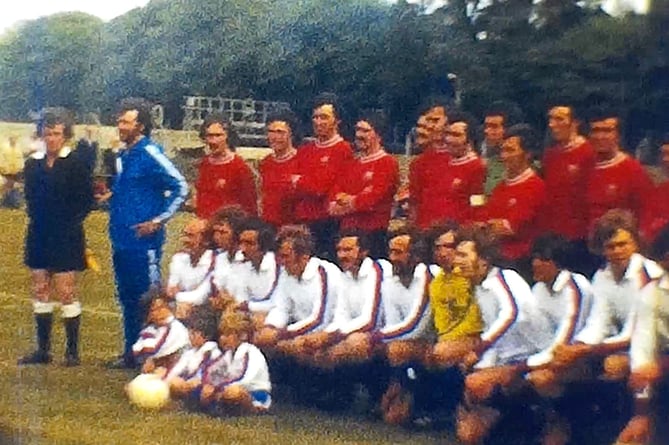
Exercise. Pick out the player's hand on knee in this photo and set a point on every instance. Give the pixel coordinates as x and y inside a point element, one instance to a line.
<point>266,337</point>
<point>468,362</point>
<point>565,355</point>
<point>616,367</point>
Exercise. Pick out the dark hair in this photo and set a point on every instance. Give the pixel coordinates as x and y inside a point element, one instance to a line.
<point>660,247</point>
<point>433,101</point>
<point>59,116</point>
<point>486,245</point>
<point>298,236</point>
<point>286,115</point>
<point>218,118</point>
<point>439,229</point>
<point>203,320</point>
<point>498,108</point>
<point>607,226</point>
<point>265,232</point>
<point>155,293</point>
<point>418,248</point>
<point>377,119</point>
<point>665,139</point>
<point>143,108</point>
<point>234,215</point>
<point>551,247</point>
<point>529,140</point>
<point>326,98</point>
<point>363,239</point>
<point>600,113</point>
<point>566,103</point>
<point>468,119</point>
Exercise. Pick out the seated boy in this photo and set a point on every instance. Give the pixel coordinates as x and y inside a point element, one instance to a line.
<point>238,381</point>
<point>185,378</point>
<point>164,338</point>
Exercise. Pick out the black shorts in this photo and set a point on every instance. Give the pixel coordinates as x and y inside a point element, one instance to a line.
<point>56,249</point>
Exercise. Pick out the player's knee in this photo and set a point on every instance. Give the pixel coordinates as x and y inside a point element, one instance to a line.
<point>399,353</point>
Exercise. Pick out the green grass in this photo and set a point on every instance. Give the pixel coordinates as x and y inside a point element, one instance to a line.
<point>86,405</point>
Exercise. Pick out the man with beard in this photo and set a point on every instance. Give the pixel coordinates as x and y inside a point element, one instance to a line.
<point>320,163</point>
<point>363,194</point>
<point>147,191</point>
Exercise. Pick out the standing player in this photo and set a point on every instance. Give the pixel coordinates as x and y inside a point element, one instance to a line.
<point>147,191</point>
<point>567,165</point>
<point>618,180</point>
<point>278,168</point>
<point>320,163</point>
<point>59,195</point>
<point>495,123</point>
<point>427,188</point>
<point>515,205</point>
<point>223,177</point>
<point>363,194</point>
<point>466,171</point>
<point>659,205</point>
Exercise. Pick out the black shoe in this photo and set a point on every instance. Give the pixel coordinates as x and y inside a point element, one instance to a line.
<point>122,362</point>
<point>36,358</point>
<point>71,361</point>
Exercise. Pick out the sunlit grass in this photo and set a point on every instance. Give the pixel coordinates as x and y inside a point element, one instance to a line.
<point>86,405</point>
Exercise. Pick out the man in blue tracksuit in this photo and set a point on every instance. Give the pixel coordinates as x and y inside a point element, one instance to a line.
<point>147,191</point>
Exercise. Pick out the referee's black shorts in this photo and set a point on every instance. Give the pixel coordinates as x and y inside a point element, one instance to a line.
<point>56,249</point>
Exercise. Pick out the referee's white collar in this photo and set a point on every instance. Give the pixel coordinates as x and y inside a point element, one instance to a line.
<point>63,153</point>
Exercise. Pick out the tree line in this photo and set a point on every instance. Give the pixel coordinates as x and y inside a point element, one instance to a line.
<point>372,53</point>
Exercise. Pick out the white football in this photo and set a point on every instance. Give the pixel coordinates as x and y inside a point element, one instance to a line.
<point>148,391</point>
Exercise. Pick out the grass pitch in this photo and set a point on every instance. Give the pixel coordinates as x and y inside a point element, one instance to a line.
<point>86,405</point>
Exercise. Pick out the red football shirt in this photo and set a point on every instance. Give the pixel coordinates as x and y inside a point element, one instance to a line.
<point>276,188</point>
<point>428,186</point>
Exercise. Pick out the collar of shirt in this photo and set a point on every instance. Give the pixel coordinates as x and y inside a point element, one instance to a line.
<point>288,156</point>
<point>634,266</point>
<point>574,143</point>
<point>617,159</point>
<point>311,269</point>
<point>418,273</point>
<point>220,161</point>
<point>468,157</point>
<point>330,142</point>
<point>366,268</point>
<point>489,282</point>
<point>373,157</point>
<point>524,176</point>
<point>268,262</point>
<point>63,153</point>
<point>561,281</point>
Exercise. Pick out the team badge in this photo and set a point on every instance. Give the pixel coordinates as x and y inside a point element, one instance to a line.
<point>611,189</point>
<point>512,202</point>
<point>457,182</point>
<point>573,168</point>
<point>368,175</point>
<point>325,159</point>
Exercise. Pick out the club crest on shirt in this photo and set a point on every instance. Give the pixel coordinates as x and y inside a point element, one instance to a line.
<point>512,202</point>
<point>611,189</point>
<point>457,182</point>
<point>325,159</point>
<point>368,175</point>
<point>572,168</point>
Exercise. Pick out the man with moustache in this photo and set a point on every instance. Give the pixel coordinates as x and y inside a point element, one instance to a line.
<point>320,163</point>
<point>146,193</point>
<point>363,195</point>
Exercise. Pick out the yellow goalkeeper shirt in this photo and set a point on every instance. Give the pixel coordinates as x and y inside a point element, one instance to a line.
<point>456,312</point>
